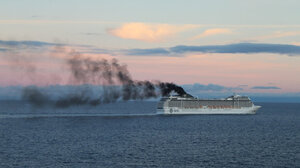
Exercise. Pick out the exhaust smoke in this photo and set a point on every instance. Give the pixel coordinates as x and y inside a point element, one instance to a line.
<point>116,81</point>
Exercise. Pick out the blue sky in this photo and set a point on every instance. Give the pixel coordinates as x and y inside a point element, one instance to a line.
<point>257,12</point>
<point>74,21</point>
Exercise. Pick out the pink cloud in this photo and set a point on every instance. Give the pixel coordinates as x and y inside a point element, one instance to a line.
<point>148,32</point>
<point>212,32</point>
<point>278,34</point>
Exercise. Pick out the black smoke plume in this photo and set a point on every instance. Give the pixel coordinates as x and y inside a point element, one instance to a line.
<point>116,81</point>
<point>34,96</point>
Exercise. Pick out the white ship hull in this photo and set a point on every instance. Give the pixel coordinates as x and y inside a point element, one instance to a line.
<point>176,110</point>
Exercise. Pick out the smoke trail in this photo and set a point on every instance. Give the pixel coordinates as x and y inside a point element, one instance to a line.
<point>116,81</point>
<point>103,72</point>
<point>34,96</point>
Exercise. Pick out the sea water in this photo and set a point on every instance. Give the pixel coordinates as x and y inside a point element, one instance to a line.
<point>129,134</point>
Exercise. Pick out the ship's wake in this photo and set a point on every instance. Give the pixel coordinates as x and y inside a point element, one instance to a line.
<point>75,115</point>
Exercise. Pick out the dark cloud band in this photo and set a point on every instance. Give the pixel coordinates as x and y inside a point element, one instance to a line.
<point>27,43</point>
<point>265,87</point>
<point>242,48</point>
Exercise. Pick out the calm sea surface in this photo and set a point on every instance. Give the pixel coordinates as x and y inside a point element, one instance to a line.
<point>129,135</point>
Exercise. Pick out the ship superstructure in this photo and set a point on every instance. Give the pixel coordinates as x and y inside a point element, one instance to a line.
<point>188,104</point>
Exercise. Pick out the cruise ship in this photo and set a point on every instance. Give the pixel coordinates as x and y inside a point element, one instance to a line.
<point>188,104</point>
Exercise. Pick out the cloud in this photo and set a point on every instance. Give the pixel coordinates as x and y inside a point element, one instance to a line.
<point>278,34</point>
<point>238,48</point>
<point>265,87</point>
<point>3,49</point>
<point>197,87</point>
<point>243,48</point>
<point>212,32</point>
<point>27,43</point>
<point>25,46</point>
<point>148,32</point>
<point>152,51</point>
<point>38,46</point>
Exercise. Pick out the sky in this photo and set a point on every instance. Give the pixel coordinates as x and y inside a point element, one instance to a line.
<point>248,46</point>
